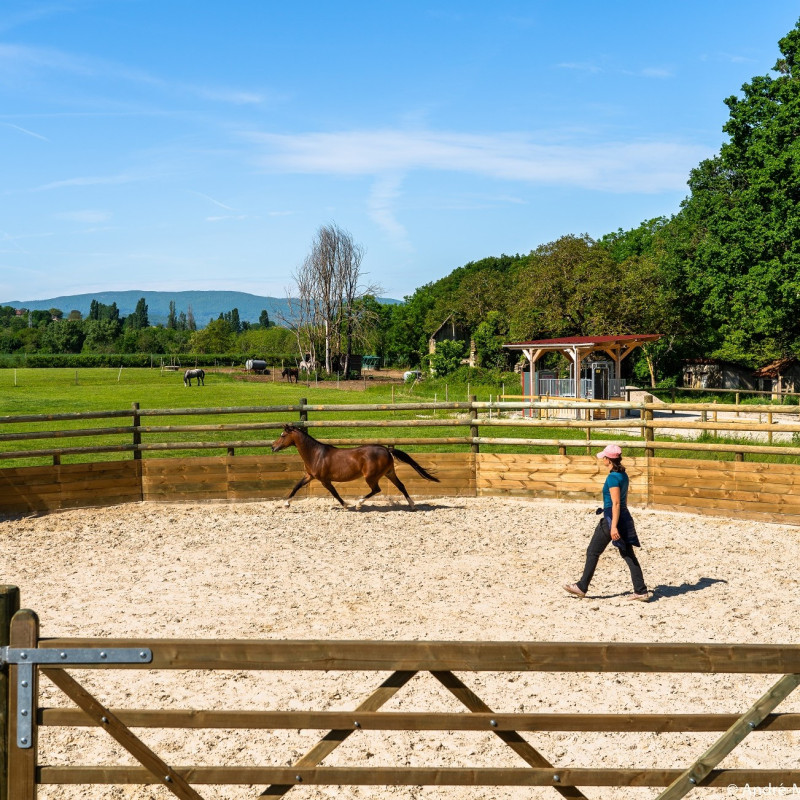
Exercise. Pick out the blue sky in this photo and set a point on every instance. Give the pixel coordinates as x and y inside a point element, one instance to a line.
<point>187,144</point>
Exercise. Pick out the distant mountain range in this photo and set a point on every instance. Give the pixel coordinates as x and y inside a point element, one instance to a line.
<point>206,305</point>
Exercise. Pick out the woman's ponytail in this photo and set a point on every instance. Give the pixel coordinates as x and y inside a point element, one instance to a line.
<point>616,464</point>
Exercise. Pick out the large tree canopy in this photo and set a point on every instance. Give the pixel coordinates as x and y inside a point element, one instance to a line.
<point>743,218</point>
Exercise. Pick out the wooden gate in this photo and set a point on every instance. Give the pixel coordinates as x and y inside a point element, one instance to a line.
<point>28,657</point>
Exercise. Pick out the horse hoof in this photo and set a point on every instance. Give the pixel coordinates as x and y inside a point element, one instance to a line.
<point>286,504</point>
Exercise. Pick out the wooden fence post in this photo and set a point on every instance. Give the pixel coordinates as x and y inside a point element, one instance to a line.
<point>9,605</point>
<point>649,433</point>
<point>137,436</point>
<point>473,429</point>
<point>22,761</point>
<point>303,412</point>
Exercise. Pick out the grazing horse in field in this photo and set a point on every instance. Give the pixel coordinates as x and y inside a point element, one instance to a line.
<point>291,373</point>
<point>200,374</point>
<point>327,463</point>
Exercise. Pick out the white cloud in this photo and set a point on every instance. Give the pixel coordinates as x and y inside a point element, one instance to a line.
<point>212,200</point>
<point>15,59</point>
<point>25,130</point>
<point>87,216</point>
<point>656,72</point>
<point>580,66</point>
<point>98,180</point>
<point>236,97</point>
<point>385,191</point>
<point>646,166</point>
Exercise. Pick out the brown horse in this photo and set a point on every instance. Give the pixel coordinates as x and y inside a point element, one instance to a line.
<point>327,463</point>
<point>291,373</point>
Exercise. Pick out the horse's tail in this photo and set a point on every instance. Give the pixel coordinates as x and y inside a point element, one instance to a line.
<point>406,459</point>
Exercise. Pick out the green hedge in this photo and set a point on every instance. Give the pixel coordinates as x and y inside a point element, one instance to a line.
<point>84,360</point>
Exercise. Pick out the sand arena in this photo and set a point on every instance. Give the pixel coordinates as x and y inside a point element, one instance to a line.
<point>466,569</point>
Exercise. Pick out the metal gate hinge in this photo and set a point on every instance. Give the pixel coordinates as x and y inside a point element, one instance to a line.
<point>25,658</point>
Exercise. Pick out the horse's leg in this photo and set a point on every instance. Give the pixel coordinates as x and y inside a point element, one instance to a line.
<point>304,481</point>
<point>329,486</point>
<point>374,486</point>
<point>392,476</point>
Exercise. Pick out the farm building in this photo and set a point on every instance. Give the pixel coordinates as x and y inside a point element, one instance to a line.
<point>711,373</point>
<point>595,365</point>
<point>452,331</point>
<point>781,375</point>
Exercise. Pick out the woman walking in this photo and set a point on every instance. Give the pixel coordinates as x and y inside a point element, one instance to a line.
<point>616,526</point>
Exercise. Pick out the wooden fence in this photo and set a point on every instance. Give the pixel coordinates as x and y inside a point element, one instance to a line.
<point>26,657</point>
<point>744,488</point>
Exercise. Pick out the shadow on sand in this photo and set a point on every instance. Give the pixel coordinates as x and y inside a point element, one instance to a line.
<point>381,509</point>
<point>663,592</point>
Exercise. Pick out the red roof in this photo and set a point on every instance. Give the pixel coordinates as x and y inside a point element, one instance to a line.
<point>589,340</point>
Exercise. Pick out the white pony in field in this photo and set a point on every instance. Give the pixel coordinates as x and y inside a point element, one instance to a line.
<point>308,365</point>
<point>200,374</point>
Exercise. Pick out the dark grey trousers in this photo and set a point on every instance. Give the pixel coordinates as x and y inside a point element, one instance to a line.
<point>600,540</point>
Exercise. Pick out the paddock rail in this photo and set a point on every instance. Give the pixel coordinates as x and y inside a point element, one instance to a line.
<point>638,433</point>
<point>401,660</point>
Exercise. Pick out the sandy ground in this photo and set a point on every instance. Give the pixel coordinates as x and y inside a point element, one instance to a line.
<point>454,569</point>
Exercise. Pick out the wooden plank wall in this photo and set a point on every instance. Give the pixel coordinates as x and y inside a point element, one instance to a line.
<point>749,490</point>
<point>744,489</point>
<point>25,490</point>
<point>258,478</point>
<point>557,477</point>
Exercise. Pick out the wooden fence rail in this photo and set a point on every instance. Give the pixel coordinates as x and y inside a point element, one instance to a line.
<point>21,773</point>
<point>470,416</point>
<point>226,464</point>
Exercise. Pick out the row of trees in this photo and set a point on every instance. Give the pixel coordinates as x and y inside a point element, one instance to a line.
<point>105,330</point>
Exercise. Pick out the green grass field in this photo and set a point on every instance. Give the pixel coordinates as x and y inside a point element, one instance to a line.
<point>56,391</point>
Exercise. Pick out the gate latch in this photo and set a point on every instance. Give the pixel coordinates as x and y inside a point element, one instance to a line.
<point>26,658</point>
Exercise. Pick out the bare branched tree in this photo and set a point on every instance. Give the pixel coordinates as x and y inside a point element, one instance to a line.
<point>328,316</point>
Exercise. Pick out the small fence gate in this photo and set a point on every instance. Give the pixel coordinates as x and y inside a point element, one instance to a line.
<point>26,657</point>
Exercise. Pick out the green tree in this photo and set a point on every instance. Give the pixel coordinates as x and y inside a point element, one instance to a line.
<point>447,357</point>
<point>567,289</point>
<point>489,337</point>
<point>100,335</point>
<point>743,217</point>
<point>216,337</point>
<point>65,336</point>
<point>172,317</point>
<point>263,318</point>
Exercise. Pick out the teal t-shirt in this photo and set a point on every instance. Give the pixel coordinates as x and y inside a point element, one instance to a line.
<point>619,479</point>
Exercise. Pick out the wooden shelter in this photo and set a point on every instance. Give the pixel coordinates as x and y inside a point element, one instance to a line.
<point>781,375</point>
<point>712,373</point>
<point>595,365</point>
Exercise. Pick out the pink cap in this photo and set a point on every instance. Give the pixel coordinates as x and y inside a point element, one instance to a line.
<point>611,451</point>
